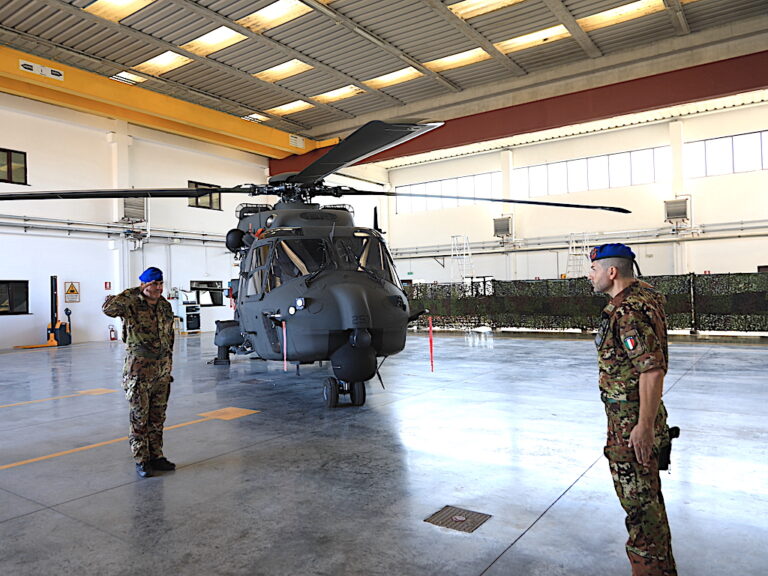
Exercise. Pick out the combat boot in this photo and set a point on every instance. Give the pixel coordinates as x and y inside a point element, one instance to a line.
<point>143,469</point>
<point>162,464</point>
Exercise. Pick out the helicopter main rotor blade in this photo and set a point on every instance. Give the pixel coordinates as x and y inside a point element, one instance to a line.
<point>353,192</point>
<point>366,141</point>
<point>125,193</point>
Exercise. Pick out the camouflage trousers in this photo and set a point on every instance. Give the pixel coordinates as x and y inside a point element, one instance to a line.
<point>147,385</point>
<point>649,545</point>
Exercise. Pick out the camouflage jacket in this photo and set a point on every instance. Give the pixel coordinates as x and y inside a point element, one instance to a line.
<point>632,339</point>
<point>147,330</point>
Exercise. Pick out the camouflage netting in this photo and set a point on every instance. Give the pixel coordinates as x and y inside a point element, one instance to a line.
<point>723,302</point>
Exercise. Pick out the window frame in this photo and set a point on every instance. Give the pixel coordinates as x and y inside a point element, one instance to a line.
<point>8,153</point>
<point>213,198</point>
<point>6,286</point>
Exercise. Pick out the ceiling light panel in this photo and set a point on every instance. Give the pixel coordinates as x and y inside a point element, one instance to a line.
<point>215,40</point>
<point>116,10</point>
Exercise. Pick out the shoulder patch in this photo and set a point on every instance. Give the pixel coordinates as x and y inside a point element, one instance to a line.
<point>633,344</point>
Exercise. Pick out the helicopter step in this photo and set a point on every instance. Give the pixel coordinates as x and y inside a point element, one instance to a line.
<point>333,388</point>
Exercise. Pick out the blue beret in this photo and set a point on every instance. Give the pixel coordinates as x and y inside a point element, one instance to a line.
<point>151,274</point>
<point>611,251</point>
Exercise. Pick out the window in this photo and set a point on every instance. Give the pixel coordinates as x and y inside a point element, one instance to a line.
<point>211,200</point>
<point>726,155</point>
<point>14,297</point>
<point>13,166</point>
<point>208,292</point>
<point>440,194</point>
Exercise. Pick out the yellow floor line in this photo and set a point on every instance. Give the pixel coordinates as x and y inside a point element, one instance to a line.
<point>223,414</point>
<point>93,392</point>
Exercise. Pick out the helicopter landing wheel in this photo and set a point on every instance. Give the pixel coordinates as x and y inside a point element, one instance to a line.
<point>331,392</point>
<point>357,393</point>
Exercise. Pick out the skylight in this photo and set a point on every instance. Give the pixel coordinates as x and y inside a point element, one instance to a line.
<point>163,63</point>
<point>290,108</point>
<point>471,8</point>
<point>338,94</point>
<point>282,71</point>
<point>458,60</point>
<point>116,10</point>
<point>214,41</point>
<point>397,77</point>
<point>533,39</point>
<point>275,14</point>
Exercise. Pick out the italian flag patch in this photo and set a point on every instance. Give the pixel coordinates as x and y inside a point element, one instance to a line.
<point>630,343</point>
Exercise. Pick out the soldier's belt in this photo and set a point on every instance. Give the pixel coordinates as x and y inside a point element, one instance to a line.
<point>143,352</point>
<point>618,399</point>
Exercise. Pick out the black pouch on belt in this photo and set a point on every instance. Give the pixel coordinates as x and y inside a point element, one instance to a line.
<point>665,452</point>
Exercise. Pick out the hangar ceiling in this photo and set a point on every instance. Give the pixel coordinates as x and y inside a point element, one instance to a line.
<point>320,68</point>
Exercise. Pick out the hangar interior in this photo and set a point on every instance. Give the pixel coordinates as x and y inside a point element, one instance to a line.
<point>657,106</point>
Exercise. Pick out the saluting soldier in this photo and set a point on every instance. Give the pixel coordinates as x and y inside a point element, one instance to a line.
<point>632,360</point>
<point>148,333</point>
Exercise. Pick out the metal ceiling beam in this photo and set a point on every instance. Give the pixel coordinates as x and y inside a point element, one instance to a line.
<point>213,98</point>
<point>95,94</point>
<point>151,40</point>
<point>380,42</point>
<point>471,34</point>
<point>677,16</point>
<point>282,48</point>
<point>566,19</point>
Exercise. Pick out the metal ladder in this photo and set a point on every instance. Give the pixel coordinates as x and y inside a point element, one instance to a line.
<point>461,258</point>
<point>578,255</point>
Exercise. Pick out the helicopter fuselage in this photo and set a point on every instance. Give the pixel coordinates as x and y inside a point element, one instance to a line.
<point>313,286</point>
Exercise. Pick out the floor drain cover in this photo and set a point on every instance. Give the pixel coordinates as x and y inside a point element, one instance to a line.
<point>458,519</point>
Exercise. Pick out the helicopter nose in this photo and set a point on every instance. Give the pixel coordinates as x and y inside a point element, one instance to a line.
<point>352,304</point>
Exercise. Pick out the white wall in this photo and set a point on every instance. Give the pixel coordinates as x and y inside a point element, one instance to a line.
<point>71,150</point>
<point>715,202</point>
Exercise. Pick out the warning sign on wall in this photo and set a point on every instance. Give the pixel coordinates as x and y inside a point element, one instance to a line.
<point>71,291</point>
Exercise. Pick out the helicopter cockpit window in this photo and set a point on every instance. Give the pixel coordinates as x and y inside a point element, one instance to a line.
<point>259,257</point>
<point>365,253</point>
<point>293,258</point>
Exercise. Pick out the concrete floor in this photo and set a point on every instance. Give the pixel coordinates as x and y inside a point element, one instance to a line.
<point>507,426</point>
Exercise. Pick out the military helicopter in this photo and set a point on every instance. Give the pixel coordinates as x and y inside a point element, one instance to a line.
<point>312,286</point>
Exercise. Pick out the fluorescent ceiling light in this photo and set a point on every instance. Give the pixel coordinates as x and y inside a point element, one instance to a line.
<point>128,78</point>
<point>533,39</point>
<point>116,10</point>
<point>163,63</point>
<point>275,14</point>
<point>214,41</point>
<point>458,60</point>
<point>620,14</point>
<point>282,71</point>
<point>397,77</point>
<point>290,108</point>
<point>255,117</point>
<point>471,8</point>
<point>338,94</point>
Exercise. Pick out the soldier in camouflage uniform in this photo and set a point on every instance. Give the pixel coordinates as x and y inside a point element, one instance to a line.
<point>632,360</point>
<point>149,334</point>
